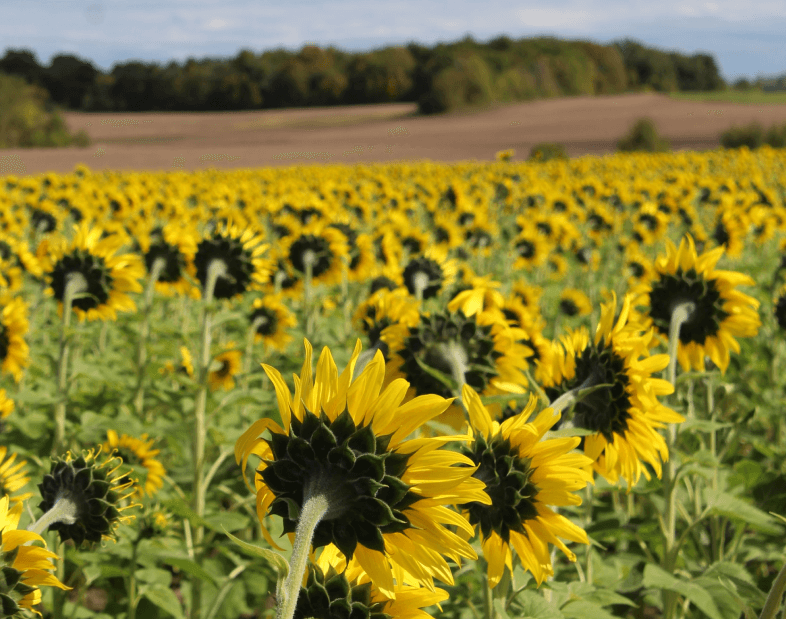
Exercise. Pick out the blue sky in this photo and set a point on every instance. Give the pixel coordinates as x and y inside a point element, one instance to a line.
<point>746,40</point>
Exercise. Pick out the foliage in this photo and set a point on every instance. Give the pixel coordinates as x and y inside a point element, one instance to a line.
<point>503,69</point>
<point>546,151</point>
<point>754,136</point>
<point>27,121</point>
<point>728,458</point>
<point>643,136</point>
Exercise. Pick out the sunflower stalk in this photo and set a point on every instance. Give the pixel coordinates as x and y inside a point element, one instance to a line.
<point>215,269</point>
<point>132,595</point>
<point>250,349</point>
<point>345,296</point>
<point>775,596</point>
<point>64,510</point>
<point>420,282</point>
<point>315,506</point>
<point>144,332</point>
<point>75,284</point>
<point>309,258</point>
<point>679,316</point>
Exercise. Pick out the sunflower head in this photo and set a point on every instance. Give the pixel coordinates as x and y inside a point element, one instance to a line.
<point>523,476</point>
<point>233,256</point>
<point>139,462</point>
<point>14,351</point>
<point>229,366</point>
<point>90,495</point>
<point>89,272</point>
<point>24,567</point>
<point>344,438</point>
<point>720,311</point>
<point>623,411</point>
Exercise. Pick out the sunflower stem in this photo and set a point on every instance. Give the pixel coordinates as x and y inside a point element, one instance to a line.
<point>345,295</point>
<point>308,263</point>
<point>420,282</point>
<point>314,509</point>
<point>679,316</point>
<point>215,269</point>
<point>252,332</point>
<point>132,601</point>
<point>75,284</point>
<point>774,597</point>
<point>144,332</point>
<point>102,337</point>
<point>64,510</point>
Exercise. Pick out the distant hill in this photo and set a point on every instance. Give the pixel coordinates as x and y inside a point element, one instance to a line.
<point>445,77</point>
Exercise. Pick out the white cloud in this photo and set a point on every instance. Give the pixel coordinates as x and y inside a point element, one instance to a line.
<point>217,24</point>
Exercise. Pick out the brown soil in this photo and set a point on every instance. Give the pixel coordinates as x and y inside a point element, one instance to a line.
<point>378,133</point>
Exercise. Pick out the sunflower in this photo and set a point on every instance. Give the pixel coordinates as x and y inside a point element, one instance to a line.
<point>12,476</point>
<point>270,319</point>
<point>650,224</point>
<point>523,476</point>
<point>14,351</point>
<point>529,295</point>
<point>236,253</point>
<point>445,232</point>
<point>83,499</point>
<point>557,266</point>
<point>6,405</point>
<point>482,296</point>
<point>638,266</point>
<point>222,378</point>
<point>574,302</point>
<point>175,245</point>
<point>626,415</point>
<point>730,231</point>
<point>18,254</point>
<point>186,364</point>
<point>25,567</point>
<point>330,591</point>
<point>320,246</point>
<point>141,457</point>
<point>779,303</point>
<point>517,315</point>
<point>481,350</point>
<point>428,274</point>
<point>720,311</point>
<point>387,496</point>
<point>530,249</point>
<point>90,267</point>
<point>386,317</point>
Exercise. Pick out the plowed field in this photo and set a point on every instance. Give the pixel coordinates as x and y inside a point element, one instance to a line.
<point>378,133</point>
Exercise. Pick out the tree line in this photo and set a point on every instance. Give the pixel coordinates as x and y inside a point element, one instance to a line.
<point>447,76</point>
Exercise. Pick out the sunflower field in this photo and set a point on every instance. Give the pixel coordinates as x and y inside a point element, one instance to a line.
<point>545,390</point>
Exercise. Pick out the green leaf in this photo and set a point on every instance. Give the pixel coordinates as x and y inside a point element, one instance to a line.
<point>703,425</point>
<point>178,507</point>
<point>92,573</point>
<point>434,373</point>
<point>657,578</point>
<point>154,575</point>
<point>500,608</point>
<point>278,562</point>
<point>192,568</point>
<point>166,600</point>
<point>606,597</point>
<point>568,432</point>
<point>580,609</point>
<point>531,605</point>
<point>732,507</point>
<point>226,521</point>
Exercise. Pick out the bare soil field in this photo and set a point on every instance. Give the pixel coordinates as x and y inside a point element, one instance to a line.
<point>378,133</point>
